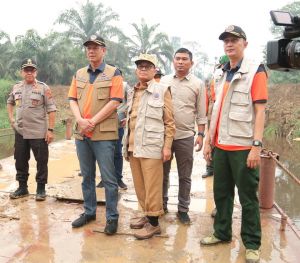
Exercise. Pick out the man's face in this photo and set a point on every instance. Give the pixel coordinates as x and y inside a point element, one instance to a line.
<point>95,53</point>
<point>29,74</point>
<point>234,47</point>
<point>145,71</point>
<point>182,63</point>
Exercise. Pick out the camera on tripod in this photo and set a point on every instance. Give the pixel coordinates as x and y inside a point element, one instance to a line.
<point>284,54</point>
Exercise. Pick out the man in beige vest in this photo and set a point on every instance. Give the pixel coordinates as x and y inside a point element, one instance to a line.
<point>95,93</point>
<point>147,143</point>
<point>236,132</point>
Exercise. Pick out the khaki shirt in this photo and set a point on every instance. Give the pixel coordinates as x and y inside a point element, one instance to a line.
<point>32,102</point>
<point>189,103</point>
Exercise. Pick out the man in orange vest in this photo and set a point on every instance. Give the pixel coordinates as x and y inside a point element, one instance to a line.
<point>95,93</point>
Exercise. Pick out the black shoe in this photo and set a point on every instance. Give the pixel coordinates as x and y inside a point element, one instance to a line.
<point>100,185</point>
<point>40,192</point>
<point>207,174</point>
<point>122,185</point>
<point>20,192</point>
<point>83,220</point>
<point>166,209</point>
<point>184,218</point>
<point>111,226</point>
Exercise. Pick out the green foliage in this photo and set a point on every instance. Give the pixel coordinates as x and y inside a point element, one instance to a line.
<point>4,123</point>
<point>5,88</point>
<point>148,40</point>
<point>271,131</point>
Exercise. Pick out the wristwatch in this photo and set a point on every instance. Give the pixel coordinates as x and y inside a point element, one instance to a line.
<point>49,129</point>
<point>201,134</point>
<point>257,143</point>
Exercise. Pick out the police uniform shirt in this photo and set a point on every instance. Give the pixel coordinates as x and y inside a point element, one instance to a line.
<point>32,102</point>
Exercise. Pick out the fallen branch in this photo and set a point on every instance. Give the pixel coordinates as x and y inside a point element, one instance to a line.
<point>128,234</point>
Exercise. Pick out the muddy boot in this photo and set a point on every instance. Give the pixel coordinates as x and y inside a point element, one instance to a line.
<point>40,192</point>
<point>22,191</point>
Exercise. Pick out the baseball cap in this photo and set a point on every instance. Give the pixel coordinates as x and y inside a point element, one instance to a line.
<point>158,72</point>
<point>233,30</point>
<point>28,62</point>
<point>95,39</point>
<point>147,57</point>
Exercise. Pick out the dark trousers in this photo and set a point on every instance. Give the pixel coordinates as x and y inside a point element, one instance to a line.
<point>118,158</point>
<point>183,150</point>
<point>230,170</point>
<point>40,151</point>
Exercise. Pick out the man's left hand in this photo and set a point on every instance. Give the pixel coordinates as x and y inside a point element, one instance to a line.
<point>199,142</point>
<point>253,160</point>
<point>166,154</point>
<point>49,137</point>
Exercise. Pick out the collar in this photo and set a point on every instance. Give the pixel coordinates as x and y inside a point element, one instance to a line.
<point>187,77</point>
<point>227,67</point>
<point>99,69</point>
<point>149,86</point>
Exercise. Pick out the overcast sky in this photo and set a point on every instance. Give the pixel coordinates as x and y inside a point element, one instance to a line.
<point>192,20</point>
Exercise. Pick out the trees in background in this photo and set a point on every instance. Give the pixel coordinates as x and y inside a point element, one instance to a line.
<point>58,55</point>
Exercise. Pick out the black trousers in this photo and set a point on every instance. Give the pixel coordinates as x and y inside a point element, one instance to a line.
<point>40,151</point>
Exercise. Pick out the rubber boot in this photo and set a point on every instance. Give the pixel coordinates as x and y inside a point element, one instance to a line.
<point>40,192</point>
<point>22,191</point>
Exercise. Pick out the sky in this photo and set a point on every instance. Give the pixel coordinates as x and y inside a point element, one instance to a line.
<point>191,20</point>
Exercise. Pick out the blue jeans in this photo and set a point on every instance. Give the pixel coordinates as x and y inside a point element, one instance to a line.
<point>118,160</point>
<point>89,152</point>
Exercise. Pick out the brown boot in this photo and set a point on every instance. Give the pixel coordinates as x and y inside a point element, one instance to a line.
<point>138,223</point>
<point>147,231</point>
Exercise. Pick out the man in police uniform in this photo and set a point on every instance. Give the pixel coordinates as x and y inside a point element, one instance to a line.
<point>33,101</point>
<point>95,93</point>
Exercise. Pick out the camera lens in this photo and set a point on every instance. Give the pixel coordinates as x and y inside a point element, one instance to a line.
<point>293,53</point>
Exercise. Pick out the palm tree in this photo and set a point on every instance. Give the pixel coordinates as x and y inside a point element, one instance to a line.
<point>6,51</point>
<point>146,40</point>
<point>90,19</point>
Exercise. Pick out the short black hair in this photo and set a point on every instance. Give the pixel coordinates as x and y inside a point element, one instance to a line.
<point>184,50</point>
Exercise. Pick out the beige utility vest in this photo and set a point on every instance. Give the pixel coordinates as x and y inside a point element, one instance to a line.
<point>107,129</point>
<point>236,123</point>
<point>149,129</point>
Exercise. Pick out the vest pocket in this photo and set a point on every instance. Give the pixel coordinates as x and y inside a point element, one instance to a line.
<point>109,125</point>
<point>103,93</point>
<point>154,109</point>
<point>240,124</point>
<point>80,88</point>
<point>153,135</point>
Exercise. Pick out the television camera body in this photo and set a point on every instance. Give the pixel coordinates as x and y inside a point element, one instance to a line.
<point>284,54</point>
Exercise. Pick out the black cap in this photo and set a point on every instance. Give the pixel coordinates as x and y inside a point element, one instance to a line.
<point>234,31</point>
<point>95,39</point>
<point>28,62</point>
<point>158,72</point>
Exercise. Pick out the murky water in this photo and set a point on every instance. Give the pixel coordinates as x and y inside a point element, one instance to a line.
<point>287,192</point>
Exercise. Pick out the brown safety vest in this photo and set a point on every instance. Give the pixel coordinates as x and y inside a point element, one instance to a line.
<point>107,129</point>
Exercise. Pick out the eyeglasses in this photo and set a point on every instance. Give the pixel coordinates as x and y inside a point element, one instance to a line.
<point>145,67</point>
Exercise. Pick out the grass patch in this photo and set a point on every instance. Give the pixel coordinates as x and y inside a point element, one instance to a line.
<point>271,131</point>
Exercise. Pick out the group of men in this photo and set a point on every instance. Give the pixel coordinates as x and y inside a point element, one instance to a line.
<point>159,124</point>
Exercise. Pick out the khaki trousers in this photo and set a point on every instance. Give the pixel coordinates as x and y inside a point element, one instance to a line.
<point>148,181</point>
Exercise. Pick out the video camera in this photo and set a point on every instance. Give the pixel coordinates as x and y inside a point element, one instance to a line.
<point>284,54</point>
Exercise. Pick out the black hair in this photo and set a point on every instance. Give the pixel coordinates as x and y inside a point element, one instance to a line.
<point>184,50</point>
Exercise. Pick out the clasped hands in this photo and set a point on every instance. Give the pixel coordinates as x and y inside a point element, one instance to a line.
<point>86,125</point>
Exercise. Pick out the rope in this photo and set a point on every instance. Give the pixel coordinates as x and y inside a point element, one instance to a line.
<point>275,156</point>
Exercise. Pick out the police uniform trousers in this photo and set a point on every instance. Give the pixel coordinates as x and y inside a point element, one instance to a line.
<point>147,176</point>
<point>230,170</point>
<point>40,151</point>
